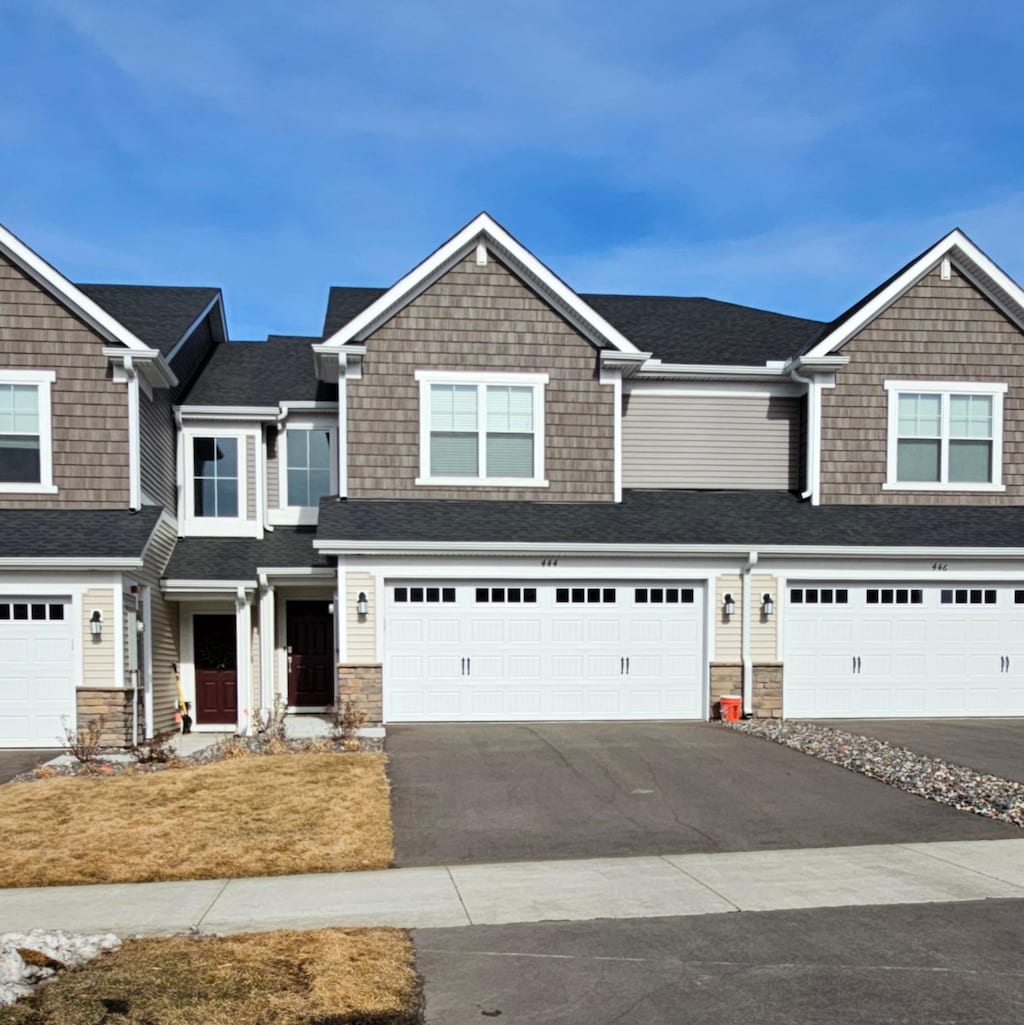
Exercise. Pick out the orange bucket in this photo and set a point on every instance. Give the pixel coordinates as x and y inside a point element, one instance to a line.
<point>731,707</point>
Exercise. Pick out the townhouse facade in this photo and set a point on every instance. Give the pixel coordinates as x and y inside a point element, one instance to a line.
<point>479,495</point>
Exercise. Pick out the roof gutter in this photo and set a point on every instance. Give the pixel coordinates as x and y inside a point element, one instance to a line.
<point>77,562</point>
<point>654,369</point>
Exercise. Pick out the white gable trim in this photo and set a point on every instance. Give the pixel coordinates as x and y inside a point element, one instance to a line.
<point>981,270</point>
<point>519,259</point>
<point>58,286</point>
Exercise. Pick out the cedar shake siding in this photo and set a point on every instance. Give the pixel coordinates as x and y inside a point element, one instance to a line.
<point>479,318</point>
<point>672,441</point>
<point>90,412</point>
<point>941,331</point>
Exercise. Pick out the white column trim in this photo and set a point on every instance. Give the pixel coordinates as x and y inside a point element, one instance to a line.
<point>268,634</point>
<point>243,656</point>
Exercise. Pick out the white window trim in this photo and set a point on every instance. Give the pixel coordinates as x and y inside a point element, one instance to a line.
<point>213,526</point>
<point>293,515</point>
<point>43,380</point>
<point>482,379</point>
<point>995,390</point>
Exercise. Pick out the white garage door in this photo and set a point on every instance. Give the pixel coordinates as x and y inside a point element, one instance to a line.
<point>905,650</point>
<point>503,651</point>
<point>36,670</point>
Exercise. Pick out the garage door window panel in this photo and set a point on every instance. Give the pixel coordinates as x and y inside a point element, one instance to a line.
<point>944,436</point>
<point>25,431</point>
<point>481,429</point>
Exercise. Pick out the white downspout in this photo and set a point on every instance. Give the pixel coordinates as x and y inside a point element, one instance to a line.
<point>342,425</point>
<point>813,428</point>
<point>745,625</point>
<point>134,444</point>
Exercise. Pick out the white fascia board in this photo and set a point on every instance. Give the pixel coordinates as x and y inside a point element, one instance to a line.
<point>49,562</point>
<point>655,551</point>
<point>195,323</point>
<point>57,285</point>
<point>956,243</point>
<point>511,250</point>
<point>248,413</point>
<point>656,370</point>
<point>229,587</point>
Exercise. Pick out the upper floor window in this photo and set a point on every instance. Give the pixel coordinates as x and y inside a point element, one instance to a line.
<point>221,481</point>
<point>945,436</point>
<point>309,465</point>
<point>215,477</point>
<point>26,463</point>
<point>481,429</point>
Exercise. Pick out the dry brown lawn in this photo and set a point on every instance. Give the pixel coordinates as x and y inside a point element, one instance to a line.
<point>266,815</point>
<point>335,976</point>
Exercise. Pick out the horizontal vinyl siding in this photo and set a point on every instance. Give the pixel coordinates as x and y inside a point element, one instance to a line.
<point>672,441</point>
<point>274,439</point>
<point>89,411</point>
<point>939,330</point>
<point>98,656</point>
<point>763,629</point>
<point>163,626</point>
<point>158,449</point>
<point>362,632</point>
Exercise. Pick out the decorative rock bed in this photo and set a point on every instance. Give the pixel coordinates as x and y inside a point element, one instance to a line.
<point>27,959</point>
<point>955,785</point>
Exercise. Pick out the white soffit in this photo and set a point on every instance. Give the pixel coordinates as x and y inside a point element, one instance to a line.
<point>516,256</point>
<point>974,264</point>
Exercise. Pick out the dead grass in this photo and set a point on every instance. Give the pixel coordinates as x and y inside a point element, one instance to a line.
<point>324,977</point>
<point>243,817</point>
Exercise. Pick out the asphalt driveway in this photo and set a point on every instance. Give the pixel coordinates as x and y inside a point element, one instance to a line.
<point>994,746</point>
<point>464,794</point>
<point>14,762</point>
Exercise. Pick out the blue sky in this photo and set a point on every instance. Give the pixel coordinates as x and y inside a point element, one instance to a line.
<point>780,154</point>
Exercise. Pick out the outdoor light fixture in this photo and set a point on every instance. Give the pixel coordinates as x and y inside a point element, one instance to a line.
<point>362,605</point>
<point>767,605</point>
<point>728,606</point>
<point>96,623</point>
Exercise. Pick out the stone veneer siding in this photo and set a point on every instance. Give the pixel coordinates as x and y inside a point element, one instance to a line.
<point>941,331</point>
<point>115,706</point>
<point>486,319</point>
<point>364,684</point>
<point>727,678</point>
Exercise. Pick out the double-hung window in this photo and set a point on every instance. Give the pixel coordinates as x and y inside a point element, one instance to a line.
<point>215,477</point>
<point>945,435</point>
<point>481,429</point>
<point>309,463</point>
<point>222,481</point>
<point>26,463</point>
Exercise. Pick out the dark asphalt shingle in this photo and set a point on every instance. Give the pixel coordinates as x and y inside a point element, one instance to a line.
<point>76,533</point>
<point>746,518</point>
<point>237,558</point>
<point>344,302</point>
<point>260,374</point>
<point>158,314</point>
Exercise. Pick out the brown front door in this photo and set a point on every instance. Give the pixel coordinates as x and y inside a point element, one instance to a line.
<point>216,662</point>
<point>310,654</point>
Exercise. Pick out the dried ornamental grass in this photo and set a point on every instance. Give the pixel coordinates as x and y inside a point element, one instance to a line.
<point>324,976</point>
<point>241,817</point>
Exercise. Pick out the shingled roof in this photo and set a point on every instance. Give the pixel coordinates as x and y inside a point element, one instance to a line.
<point>158,314</point>
<point>76,533</point>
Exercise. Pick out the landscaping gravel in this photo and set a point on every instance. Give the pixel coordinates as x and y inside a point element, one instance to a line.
<point>27,959</point>
<point>958,786</point>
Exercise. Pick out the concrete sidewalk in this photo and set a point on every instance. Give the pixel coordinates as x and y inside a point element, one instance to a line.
<point>642,887</point>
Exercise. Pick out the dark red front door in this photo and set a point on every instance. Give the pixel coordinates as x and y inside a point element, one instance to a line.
<point>216,662</point>
<point>310,654</point>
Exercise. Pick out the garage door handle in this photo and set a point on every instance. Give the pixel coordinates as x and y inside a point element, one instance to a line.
<point>627,665</point>
<point>469,667</point>
<point>463,670</point>
<point>858,663</point>
<point>622,666</point>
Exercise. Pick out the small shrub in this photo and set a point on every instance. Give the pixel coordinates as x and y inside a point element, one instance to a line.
<point>269,722</point>
<point>44,772</point>
<point>233,748</point>
<point>317,746</point>
<point>276,746</point>
<point>349,718</point>
<point>157,749</point>
<point>84,743</point>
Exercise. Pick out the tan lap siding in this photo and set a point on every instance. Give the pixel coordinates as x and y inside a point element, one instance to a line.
<point>158,449</point>
<point>89,411</point>
<point>162,626</point>
<point>252,495</point>
<point>98,653</point>
<point>479,318</point>
<point>763,629</point>
<point>676,441</point>
<point>274,439</point>
<point>362,630</point>
<point>942,331</point>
